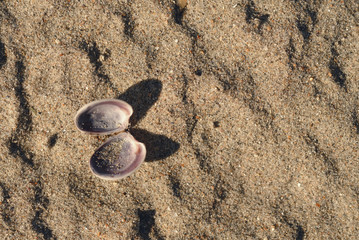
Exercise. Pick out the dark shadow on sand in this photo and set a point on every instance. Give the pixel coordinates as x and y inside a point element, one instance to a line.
<point>158,146</point>
<point>141,97</point>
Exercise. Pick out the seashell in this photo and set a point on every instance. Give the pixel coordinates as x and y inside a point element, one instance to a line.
<point>118,157</point>
<point>103,117</point>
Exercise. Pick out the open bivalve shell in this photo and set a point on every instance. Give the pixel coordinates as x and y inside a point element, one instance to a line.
<point>118,157</point>
<point>103,117</point>
<point>122,154</point>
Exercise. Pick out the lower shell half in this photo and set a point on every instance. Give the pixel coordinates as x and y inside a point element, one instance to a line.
<point>118,157</point>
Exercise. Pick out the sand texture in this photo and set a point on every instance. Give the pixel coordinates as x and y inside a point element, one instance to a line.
<point>249,111</point>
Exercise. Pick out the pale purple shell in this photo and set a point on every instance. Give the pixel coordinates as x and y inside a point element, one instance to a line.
<point>103,117</point>
<point>118,157</point>
<point>122,154</point>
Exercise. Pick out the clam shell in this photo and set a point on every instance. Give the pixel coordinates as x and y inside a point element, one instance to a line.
<point>117,158</point>
<point>103,117</point>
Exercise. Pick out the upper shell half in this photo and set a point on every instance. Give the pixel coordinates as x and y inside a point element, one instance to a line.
<point>103,117</point>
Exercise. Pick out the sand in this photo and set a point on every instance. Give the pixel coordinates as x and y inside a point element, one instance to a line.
<point>249,111</point>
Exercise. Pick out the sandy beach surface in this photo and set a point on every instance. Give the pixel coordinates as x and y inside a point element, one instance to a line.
<point>249,111</point>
